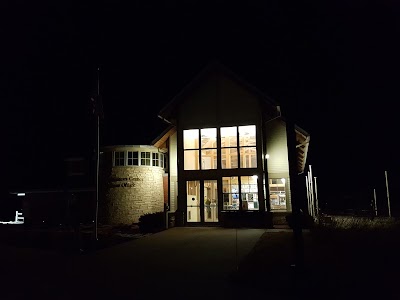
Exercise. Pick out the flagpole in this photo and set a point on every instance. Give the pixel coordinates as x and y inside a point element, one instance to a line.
<point>97,152</point>
<point>387,194</point>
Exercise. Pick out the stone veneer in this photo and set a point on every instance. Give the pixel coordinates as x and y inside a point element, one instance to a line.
<point>130,192</point>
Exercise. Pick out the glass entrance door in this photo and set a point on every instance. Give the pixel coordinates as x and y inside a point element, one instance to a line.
<point>210,199</point>
<point>193,201</point>
<point>202,201</point>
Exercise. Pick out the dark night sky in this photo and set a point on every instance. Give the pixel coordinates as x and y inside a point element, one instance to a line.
<point>339,61</point>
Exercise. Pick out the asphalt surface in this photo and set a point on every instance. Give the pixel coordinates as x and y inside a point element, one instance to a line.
<point>179,263</point>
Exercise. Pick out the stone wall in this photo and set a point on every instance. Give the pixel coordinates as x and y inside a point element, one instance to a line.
<point>130,192</point>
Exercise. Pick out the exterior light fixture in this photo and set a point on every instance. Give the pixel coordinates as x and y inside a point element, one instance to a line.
<point>267,156</point>
<point>20,194</point>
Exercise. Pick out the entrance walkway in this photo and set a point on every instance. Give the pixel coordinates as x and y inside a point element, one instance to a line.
<point>183,263</point>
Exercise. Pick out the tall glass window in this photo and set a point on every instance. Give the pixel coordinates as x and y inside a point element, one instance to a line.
<point>230,192</point>
<point>191,149</point>
<point>249,190</point>
<point>229,151</point>
<point>247,146</point>
<point>277,193</point>
<point>208,148</point>
<point>238,144</point>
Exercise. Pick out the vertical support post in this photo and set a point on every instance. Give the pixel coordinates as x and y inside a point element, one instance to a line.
<point>387,193</point>
<point>310,189</point>
<point>97,152</point>
<point>375,207</point>
<point>312,193</point>
<point>296,206</point>
<point>308,196</point>
<point>97,175</point>
<point>316,196</point>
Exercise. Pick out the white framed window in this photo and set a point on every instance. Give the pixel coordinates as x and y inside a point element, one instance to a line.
<point>162,160</point>
<point>119,158</point>
<point>238,143</point>
<point>145,159</point>
<point>133,158</point>
<point>191,149</point>
<point>156,160</point>
<point>208,148</point>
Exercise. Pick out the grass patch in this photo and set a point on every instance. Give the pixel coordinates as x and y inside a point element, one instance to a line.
<point>341,262</point>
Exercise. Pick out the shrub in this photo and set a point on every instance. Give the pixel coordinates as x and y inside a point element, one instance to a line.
<point>350,222</point>
<point>152,222</point>
<point>306,221</point>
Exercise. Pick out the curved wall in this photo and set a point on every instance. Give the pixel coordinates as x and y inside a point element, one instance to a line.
<point>129,191</point>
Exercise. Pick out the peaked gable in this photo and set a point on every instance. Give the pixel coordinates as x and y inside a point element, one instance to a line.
<point>219,75</point>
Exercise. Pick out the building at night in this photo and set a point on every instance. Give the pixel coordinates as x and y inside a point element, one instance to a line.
<point>223,158</point>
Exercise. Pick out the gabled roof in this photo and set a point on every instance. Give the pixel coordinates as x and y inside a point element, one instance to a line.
<point>163,137</point>
<point>214,67</point>
<point>269,105</point>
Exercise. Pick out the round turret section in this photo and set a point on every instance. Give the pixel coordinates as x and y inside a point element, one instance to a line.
<point>131,183</point>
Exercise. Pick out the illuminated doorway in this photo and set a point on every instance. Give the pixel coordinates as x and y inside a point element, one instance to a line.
<point>210,201</point>
<point>193,201</point>
<point>202,201</point>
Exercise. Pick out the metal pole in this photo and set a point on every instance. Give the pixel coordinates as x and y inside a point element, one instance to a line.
<point>98,151</point>
<point>309,191</point>
<point>312,192</point>
<point>375,207</point>
<point>316,196</point>
<point>387,193</point>
<point>308,195</point>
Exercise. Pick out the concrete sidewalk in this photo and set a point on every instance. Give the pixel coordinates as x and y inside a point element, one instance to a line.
<point>180,263</point>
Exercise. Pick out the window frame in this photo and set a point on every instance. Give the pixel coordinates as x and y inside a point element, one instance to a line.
<point>115,158</point>
<point>132,158</point>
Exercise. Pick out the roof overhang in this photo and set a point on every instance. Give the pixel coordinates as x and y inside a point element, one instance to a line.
<point>302,143</point>
<point>163,137</point>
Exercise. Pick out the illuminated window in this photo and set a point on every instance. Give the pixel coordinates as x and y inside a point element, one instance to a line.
<point>119,158</point>
<point>133,158</point>
<point>238,144</point>
<point>208,148</point>
<point>230,193</point>
<point>249,192</point>
<point>191,149</point>
<point>277,193</point>
<point>229,151</point>
<point>145,159</point>
<point>247,146</point>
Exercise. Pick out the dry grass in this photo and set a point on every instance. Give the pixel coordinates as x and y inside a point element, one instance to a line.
<point>355,262</point>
